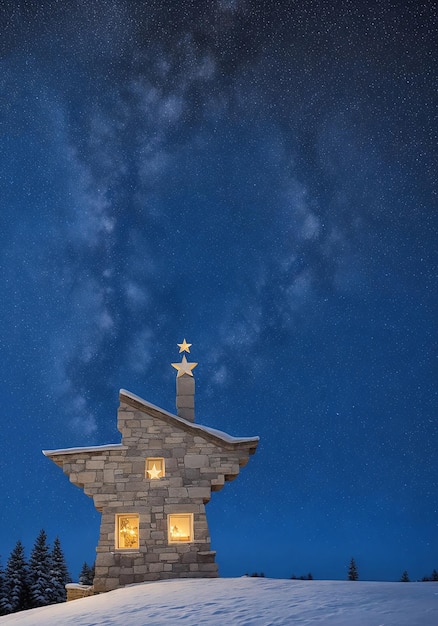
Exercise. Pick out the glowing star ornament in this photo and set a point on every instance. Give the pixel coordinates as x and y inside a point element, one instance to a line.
<point>184,367</point>
<point>184,346</point>
<point>154,472</point>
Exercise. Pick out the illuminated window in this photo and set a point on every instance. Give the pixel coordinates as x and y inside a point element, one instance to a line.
<point>127,532</point>
<point>154,468</point>
<point>180,527</point>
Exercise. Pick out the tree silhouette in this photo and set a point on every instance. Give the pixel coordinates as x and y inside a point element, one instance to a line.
<point>352,571</point>
<point>15,595</point>
<point>308,577</point>
<point>58,573</point>
<point>405,577</point>
<point>87,574</point>
<point>40,566</point>
<point>433,577</point>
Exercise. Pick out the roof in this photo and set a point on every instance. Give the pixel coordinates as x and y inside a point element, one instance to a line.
<point>216,436</point>
<point>97,449</point>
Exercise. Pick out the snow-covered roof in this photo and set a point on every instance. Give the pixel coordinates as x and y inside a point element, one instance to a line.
<point>137,402</point>
<point>219,434</point>
<point>104,448</point>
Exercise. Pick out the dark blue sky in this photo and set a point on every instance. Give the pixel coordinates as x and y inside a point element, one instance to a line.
<point>260,178</point>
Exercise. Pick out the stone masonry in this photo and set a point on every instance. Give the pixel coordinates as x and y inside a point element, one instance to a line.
<point>198,460</point>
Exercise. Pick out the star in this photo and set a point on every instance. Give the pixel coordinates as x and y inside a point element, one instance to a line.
<point>184,346</point>
<point>154,472</point>
<point>184,367</point>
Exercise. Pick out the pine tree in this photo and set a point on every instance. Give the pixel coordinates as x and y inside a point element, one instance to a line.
<point>59,573</point>
<point>405,577</point>
<point>86,576</point>
<point>352,571</point>
<point>16,582</point>
<point>433,577</point>
<point>40,565</point>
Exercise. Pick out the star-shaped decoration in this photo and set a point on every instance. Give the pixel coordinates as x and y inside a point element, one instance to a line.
<point>184,367</point>
<point>184,346</point>
<point>154,472</point>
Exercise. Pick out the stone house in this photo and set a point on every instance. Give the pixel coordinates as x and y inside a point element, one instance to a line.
<point>152,488</point>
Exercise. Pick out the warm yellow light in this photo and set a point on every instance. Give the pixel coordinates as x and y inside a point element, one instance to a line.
<point>184,346</point>
<point>180,527</point>
<point>184,367</point>
<point>154,468</point>
<point>127,531</point>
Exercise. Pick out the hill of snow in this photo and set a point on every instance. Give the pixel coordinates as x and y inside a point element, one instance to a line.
<point>246,602</point>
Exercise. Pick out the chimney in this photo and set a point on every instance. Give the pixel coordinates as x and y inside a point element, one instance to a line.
<point>185,385</point>
<point>185,397</point>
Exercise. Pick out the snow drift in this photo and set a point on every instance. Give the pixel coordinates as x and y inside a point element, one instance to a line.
<point>246,602</point>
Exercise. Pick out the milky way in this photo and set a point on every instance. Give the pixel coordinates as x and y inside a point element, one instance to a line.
<point>259,177</point>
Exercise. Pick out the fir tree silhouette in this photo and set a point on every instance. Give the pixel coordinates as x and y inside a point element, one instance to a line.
<point>58,573</point>
<point>352,571</point>
<point>40,565</point>
<point>15,595</point>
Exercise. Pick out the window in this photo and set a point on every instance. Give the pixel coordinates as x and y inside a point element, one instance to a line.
<point>180,527</point>
<point>155,468</point>
<point>127,531</point>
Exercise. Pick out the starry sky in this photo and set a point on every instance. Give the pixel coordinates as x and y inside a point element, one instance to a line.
<point>260,178</point>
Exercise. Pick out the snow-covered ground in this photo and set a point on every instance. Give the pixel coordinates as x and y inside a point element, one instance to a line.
<point>246,601</point>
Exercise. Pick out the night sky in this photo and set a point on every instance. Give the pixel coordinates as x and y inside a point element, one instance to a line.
<point>259,178</point>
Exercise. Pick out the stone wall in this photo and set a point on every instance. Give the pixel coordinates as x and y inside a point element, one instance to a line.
<point>75,591</point>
